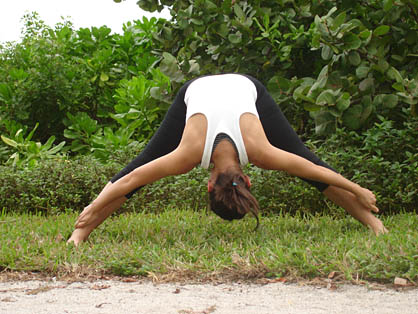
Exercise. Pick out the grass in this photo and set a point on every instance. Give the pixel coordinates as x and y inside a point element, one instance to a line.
<point>185,244</point>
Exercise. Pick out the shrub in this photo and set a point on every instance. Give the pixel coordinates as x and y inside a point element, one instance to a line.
<point>71,184</point>
<point>344,61</point>
<point>57,71</point>
<point>383,159</point>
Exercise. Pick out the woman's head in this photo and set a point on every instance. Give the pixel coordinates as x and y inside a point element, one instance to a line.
<point>230,196</point>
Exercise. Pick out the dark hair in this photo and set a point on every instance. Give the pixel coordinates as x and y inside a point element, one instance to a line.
<point>231,197</point>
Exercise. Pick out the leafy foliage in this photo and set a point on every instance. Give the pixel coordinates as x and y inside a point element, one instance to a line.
<point>53,72</point>
<point>383,158</point>
<point>27,152</point>
<point>346,69</point>
<point>375,159</point>
<point>344,61</point>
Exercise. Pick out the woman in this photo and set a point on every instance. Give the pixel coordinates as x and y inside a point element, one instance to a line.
<point>227,120</point>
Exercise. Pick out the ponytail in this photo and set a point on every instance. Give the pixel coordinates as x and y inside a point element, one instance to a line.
<point>231,197</point>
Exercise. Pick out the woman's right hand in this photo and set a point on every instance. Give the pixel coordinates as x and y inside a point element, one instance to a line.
<point>87,216</point>
<point>367,199</point>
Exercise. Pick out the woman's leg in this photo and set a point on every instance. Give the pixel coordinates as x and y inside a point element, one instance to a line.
<point>164,141</point>
<point>281,135</point>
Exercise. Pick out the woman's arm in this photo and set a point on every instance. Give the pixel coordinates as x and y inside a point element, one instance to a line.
<point>181,160</point>
<point>177,162</point>
<point>264,155</point>
<point>277,159</point>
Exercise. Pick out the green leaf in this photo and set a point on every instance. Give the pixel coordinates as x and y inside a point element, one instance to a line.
<point>351,41</point>
<point>354,58</point>
<point>311,107</point>
<point>5,93</point>
<point>367,109</point>
<point>49,143</point>
<point>29,137</point>
<point>327,52</point>
<point>382,65</point>
<point>194,67</point>
<point>326,97</point>
<point>381,30</point>
<point>399,87</point>
<point>196,21</point>
<point>395,75</point>
<point>320,82</point>
<point>235,38</point>
<point>210,5</point>
<point>238,12</point>
<point>338,21</point>
<point>362,71</point>
<point>170,67</point>
<point>278,83</point>
<point>223,30</point>
<point>365,34</point>
<point>324,122</point>
<point>352,117</point>
<point>378,100</point>
<point>9,141</point>
<point>343,102</point>
<point>321,26</point>
<point>366,84</point>
<point>397,57</point>
<point>70,134</point>
<point>316,40</point>
<point>387,5</point>
<point>18,74</point>
<point>299,94</point>
<point>104,77</point>
<point>331,12</point>
<point>390,101</point>
<point>305,10</point>
<point>322,77</point>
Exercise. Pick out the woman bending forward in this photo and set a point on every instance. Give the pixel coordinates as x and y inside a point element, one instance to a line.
<point>227,120</point>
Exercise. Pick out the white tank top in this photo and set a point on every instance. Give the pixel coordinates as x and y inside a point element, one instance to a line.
<point>222,99</point>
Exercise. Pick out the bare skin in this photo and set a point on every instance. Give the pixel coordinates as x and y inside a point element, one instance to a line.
<point>357,201</point>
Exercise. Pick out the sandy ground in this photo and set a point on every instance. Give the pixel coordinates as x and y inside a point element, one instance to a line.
<point>145,297</point>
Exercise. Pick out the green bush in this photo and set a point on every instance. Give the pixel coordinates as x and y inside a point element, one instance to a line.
<point>383,159</point>
<point>350,64</point>
<point>57,71</point>
<point>344,61</point>
<point>62,184</point>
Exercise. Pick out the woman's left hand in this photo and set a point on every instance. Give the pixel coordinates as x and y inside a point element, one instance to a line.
<point>367,199</point>
<point>87,216</point>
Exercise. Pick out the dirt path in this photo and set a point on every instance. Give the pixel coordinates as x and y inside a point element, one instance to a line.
<point>136,297</point>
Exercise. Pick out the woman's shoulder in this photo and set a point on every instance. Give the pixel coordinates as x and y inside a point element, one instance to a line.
<point>194,134</point>
<point>255,140</point>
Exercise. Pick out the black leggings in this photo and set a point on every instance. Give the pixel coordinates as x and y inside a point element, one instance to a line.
<point>278,131</point>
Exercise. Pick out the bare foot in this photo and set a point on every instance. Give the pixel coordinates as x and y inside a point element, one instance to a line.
<point>378,227</point>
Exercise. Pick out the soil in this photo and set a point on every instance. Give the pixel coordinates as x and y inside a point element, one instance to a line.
<point>139,296</point>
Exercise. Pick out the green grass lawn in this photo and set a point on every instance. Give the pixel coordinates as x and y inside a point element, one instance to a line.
<point>196,245</point>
